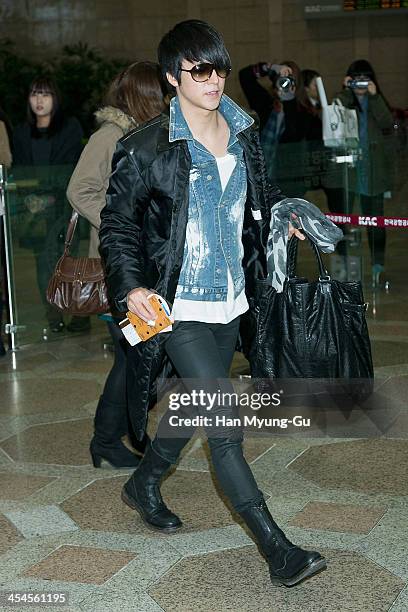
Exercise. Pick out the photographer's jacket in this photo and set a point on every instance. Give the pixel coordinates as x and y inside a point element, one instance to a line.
<point>143,231</point>
<point>376,164</point>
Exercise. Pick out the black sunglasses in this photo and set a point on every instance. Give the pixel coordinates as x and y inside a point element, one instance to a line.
<point>202,72</point>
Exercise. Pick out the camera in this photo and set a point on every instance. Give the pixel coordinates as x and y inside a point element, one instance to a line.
<point>285,83</point>
<point>358,83</point>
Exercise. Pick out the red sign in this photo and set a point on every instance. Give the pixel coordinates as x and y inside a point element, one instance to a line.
<point>368,221</point>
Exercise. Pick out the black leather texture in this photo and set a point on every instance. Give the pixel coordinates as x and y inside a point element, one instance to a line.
<point>312,329</point>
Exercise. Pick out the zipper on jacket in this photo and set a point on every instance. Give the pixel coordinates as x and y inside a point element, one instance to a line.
<point>257,311</point>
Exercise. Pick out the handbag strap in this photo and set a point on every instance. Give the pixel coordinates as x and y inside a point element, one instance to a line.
<point>339,103</point>
<point>70,231</point>
<point>292,251</point>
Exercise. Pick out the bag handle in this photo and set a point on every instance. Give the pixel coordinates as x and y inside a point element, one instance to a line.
<point>292,251</point>
<point>70,231</point>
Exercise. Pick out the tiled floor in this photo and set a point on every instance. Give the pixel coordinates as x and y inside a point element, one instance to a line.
<point>63,526</point>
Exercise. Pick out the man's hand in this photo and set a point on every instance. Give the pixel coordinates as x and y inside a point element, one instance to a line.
<point>294,230</point>
<point>139,304</point>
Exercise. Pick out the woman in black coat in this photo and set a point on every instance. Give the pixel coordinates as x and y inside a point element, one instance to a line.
<point>45,140</point>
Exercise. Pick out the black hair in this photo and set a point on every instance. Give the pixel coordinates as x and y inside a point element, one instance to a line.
<point>363,67</point>
<point>308,75</point>
<point>195,41</point>
<point>48,85</point>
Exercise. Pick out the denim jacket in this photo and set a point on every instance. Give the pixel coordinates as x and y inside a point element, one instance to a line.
<point>215,218</point>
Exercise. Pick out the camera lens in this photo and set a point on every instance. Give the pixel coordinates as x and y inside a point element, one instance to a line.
<point>285,82</point>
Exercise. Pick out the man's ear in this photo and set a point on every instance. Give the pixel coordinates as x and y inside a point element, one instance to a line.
<point>172,80</point>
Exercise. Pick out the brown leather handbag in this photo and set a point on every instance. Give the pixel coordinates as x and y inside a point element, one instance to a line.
<point>78,285</point>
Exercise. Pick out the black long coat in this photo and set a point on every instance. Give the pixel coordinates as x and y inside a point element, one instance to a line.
<point>66,144</point>
<point>143,229</point>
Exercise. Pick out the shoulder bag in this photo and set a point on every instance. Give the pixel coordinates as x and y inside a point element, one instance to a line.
<point>78,285</point>
<point>312,329</point>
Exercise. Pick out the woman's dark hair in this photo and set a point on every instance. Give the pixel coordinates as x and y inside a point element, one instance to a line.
<point>45,84</point>
<point>363,67</point>
<point>195,41</point>
<point>307,77</point>
<point>139,91</point>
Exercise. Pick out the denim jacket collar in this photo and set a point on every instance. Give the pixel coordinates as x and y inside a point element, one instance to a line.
<point>237,119</point>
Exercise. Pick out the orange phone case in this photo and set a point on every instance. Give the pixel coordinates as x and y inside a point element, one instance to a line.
<point>146,331</point>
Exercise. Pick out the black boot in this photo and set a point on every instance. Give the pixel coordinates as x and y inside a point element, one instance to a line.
<point>288,564</point>
<point>142,493</point>
<point>110,426</point>
<point>55,319</point>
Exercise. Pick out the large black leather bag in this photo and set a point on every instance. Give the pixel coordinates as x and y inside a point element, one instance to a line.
<point>312,329</point>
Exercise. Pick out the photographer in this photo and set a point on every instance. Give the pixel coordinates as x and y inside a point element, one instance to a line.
<point>281,119</point>
<point>374,167</point>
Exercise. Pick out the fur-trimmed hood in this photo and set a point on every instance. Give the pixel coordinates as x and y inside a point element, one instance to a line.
<point>110,114</point>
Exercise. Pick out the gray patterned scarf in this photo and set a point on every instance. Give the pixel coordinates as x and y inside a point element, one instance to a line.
<point>323,231</point>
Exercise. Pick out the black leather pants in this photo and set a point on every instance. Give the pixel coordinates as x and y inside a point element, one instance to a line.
<point>204,351</point>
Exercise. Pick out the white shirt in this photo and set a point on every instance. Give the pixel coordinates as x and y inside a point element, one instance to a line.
<point>214,312</point>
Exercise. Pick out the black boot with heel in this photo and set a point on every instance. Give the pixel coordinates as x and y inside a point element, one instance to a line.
<point>111,425</point>
<point>142,493</point>
<point>288,564</point>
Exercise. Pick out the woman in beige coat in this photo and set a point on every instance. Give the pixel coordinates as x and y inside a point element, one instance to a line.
<point>136,95</point>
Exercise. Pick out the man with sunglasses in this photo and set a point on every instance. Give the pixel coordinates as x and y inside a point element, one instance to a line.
<point>188,210</point>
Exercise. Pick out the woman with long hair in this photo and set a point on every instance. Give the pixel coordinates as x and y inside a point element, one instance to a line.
<point>374,174</point>
<point>137,94</point>
<point>45,140</point>
<point>47,137</point>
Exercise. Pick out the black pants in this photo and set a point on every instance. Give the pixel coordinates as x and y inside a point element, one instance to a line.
<point>111,417</point>
<point>112,420</point>
<point>46,236</point>
<point>370,206</point>
<point>204,351</point>
<point>115,386</point>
